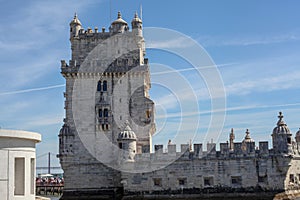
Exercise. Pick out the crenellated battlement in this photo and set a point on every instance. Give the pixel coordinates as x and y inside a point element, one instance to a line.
<point>197,152</point>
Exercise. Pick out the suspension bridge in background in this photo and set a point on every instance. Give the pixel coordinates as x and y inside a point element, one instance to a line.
<point>49,164</point>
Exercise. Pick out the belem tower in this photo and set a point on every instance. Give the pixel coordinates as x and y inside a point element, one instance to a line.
<point>105,146</point>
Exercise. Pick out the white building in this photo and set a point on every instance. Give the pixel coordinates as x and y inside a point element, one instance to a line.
<point>17,164</point>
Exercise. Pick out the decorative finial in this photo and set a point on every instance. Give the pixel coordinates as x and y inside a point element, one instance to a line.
<point>75,15</point>
<point>119,15</point>
<point>136,15</point>
<point>280,116</point>
<point>232,130</point>
<point>127,126</point>
<point>247,137</point>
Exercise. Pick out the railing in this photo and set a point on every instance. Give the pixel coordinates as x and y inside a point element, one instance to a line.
<point>49,189</point>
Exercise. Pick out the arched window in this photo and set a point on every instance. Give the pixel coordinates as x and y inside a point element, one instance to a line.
<point>100,113</point>
<point>105,112</point>
<point>99,86</point>
<point>104,85</point>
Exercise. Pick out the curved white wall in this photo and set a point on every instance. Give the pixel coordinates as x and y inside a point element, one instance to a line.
<point>17,164</point>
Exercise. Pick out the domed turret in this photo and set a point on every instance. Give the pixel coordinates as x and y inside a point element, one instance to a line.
<point>65,130</point>
<point>119,25</point>
<point>281,128</point>
<point>136,24</point>
<point>282,137</point>
<point>248,143</point>
<point>66,138</point>
<point>127,143</point>
<point>75,26</point>
<point>127,134</point>
<point>247,137</point>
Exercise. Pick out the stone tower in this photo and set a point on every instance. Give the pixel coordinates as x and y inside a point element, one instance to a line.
<point>107,89</point>
<point>282,137</point>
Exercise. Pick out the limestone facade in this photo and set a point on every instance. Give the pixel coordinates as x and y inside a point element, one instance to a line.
<point>105,142</point>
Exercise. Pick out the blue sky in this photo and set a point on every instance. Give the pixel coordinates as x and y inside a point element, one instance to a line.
<point>255,45</point>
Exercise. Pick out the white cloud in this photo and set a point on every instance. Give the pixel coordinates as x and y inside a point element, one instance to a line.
<point>249,40</point>
<point>180,42</point>
<point>282,81</point>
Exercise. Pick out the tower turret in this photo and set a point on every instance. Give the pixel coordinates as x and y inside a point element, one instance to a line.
<point>248,143</point>
<point>231,139</point>
<point>75,26</point>
<point>282,137</point>
<point>136,24</point>
<point>119,25</point>
<point>127,144</point>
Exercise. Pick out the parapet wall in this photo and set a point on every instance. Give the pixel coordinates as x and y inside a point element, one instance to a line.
<point>186,150</point>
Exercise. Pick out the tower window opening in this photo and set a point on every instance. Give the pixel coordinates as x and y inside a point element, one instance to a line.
<point>208,181</point>
<point>99,86</point>
<point>157,182</point>
<point>103,127</point>
<point>120,145</point>
<point>106,126</point>
<point>100,113</point>
<point>292,178</point>
<point>105,112</point>
<point>182,181</point>
<point>236,180</point>
<point>104,86</point>
<point>148,113</point>
<point>289,141</point>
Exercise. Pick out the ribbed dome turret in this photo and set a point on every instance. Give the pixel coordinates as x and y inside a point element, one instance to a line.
<point>119,20</point>
<point>119,25</point>
<point>127,134</point>
<point>248,137</point>
<point>136,19</point>
<point>65,130</point>
<point>281,128</point>
<point>75,21</point>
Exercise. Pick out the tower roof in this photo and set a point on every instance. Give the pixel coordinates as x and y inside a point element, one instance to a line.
<point>75,20</point>
<point>281,128</point>
<point>136,18</point>
<point>65,131</point>
<point>127,133</point>
<point>119,20</point>
<point>248,137</point>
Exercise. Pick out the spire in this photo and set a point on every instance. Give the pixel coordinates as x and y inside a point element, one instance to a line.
<point>231,138</point>
<point>119,15</point>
